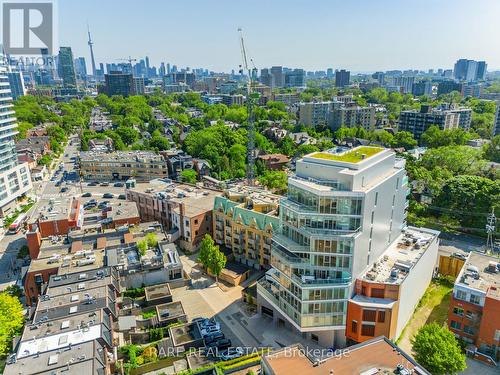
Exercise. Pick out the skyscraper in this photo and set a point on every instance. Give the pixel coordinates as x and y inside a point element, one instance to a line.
<point>266,78</point>
<point>16,83</point>
<point>67,67</point>
<point>278,78</point>
<point>81,67</point>
<point>118,83</point>
<point>469,70</point>
<point>162,71</point>
<point>343,209</point>
<point>342,78</point>
<point>295,78</point>
<point>15,179</point>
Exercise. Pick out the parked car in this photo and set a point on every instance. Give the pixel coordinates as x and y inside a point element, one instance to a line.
<point>64,189</point>
<point>104,184</point>
<point>108,195</point>
<point>122,196</point>
<point>231,353</point>
<point>205,322</point>
<point>118,184</point>
<point>103,204</point>
<point>210,330</point>
<point>92,184</point>
<point>87,194</point>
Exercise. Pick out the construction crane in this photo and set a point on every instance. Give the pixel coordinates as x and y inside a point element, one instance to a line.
<point>130,60</point>
<point>251,100</point>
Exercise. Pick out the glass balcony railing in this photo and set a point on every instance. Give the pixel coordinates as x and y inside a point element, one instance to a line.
<point>289,244</point>
<point>310,281</point>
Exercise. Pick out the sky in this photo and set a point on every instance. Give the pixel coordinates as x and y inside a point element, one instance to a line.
<point>358,35</point>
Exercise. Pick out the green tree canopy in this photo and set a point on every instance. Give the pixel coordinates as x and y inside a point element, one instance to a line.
<point>11,321</point>
<point>437,349</point>
<point>189,176</point>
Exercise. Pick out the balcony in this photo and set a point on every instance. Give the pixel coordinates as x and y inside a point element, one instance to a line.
<point>310,281</point>
<point>328,233</point>
<point>289,244</point>
<point>287,256</point>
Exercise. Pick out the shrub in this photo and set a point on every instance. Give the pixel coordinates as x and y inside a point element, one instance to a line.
<point>150,354</point>
<point>151,240</point>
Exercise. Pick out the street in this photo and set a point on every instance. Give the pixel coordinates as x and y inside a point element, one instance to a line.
<point>43,191</point>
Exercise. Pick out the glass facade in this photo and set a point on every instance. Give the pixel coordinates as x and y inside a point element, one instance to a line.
<point>8,125</point>
<point>312,255</point>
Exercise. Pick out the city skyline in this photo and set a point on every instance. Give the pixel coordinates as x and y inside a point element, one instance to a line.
<point>175,33</point>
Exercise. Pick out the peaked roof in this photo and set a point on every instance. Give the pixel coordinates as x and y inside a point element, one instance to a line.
<point>246,216</point>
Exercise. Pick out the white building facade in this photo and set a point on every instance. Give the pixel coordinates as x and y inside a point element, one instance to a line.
<point>339,216</point>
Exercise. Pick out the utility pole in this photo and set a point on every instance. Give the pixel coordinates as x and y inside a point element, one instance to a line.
<point>251,98</point>
<point>490,230</point>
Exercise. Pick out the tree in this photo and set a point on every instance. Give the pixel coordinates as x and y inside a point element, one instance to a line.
<point>159,143</point>
<point>151,240</point>
<point>11,321</point>
<point>128,134</point>
<point>435,137</point>
<point>217,262</point>
<point>437,349</point>
<point>492,150</point>
<point>189,176</point>
<point>205,252</point>
<point>142,246</point>
<point>211,257</point>
<point>274,180</point>
<point>404,139</point>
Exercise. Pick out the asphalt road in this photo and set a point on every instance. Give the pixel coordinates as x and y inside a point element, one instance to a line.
<point>10,244</point>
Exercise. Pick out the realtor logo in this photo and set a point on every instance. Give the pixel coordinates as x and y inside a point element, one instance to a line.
<point>28,27</point>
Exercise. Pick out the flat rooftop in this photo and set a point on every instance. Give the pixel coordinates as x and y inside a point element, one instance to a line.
<point>258,196</point>
<point>354,155</point>
<point>79,301</point>
<point>68,262</point>
<point>480,272</point>
<point>53,208</point>
<point>85,358</point>
<point>401,256</point>
<point>196,200</point>
<point>376,356</point>
<point>168,311</point>
<point>64,324</point>
<point>157,291</point>
<point>120,156</point>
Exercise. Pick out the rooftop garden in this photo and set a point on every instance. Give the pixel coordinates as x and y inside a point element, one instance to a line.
<point>352,156</point>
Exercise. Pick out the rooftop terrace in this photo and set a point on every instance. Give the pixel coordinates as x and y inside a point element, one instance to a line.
<point>399,258</point>
<point>481,272</point>
<point>349,156</point>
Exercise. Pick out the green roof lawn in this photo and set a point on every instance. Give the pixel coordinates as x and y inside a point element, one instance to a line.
<point>353,156</point>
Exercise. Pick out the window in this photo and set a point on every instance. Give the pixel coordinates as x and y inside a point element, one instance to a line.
<point>461,295</point>
<point>377,293</point>
<point>458,311</point>
<point>469,330</point>
<point>376,198</point>
<point>381,317</point>
<point>369,315</point>
<point>368,330</point>
<point>314,337</point>
<point>455,325</point>
<point>475,299</point>
<point>354,326</point>
<point>195,221</point>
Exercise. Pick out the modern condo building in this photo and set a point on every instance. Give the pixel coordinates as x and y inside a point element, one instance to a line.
<point>343,210</point>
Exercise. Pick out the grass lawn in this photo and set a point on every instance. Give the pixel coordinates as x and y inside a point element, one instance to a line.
<point>354,156</point>
<point>433,307</point>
